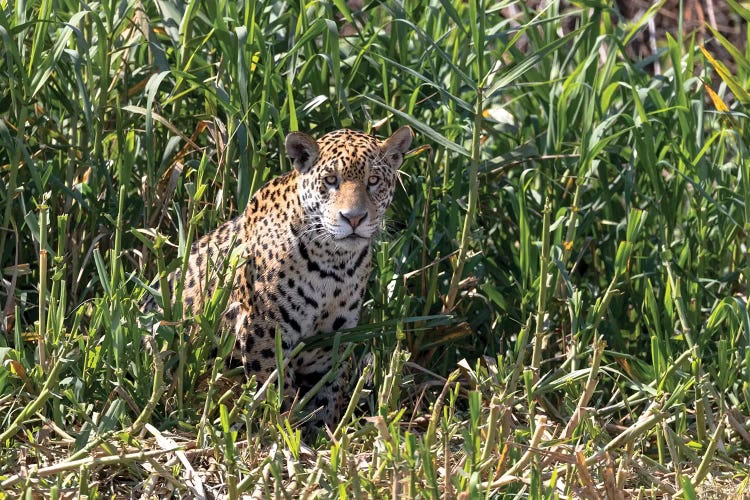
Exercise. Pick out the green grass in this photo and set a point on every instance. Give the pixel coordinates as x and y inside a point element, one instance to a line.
<point>559,306</point>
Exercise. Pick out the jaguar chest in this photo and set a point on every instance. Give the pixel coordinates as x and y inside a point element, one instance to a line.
<point>315,289</point>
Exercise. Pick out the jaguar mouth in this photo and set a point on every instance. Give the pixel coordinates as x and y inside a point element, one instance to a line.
<point>352,237</point>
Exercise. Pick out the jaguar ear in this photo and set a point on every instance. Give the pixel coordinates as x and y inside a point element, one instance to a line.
<point>302,150</point>
<point>395,147</point>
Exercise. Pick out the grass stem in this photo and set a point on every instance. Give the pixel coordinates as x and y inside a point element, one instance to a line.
<point>463,246</point>
<point>43,215</point>
<point>541,312</point>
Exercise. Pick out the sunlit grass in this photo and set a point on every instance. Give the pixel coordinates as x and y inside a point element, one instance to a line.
<point>559,305</point>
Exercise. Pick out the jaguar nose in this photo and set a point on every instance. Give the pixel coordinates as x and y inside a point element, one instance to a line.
<point>354,217</point>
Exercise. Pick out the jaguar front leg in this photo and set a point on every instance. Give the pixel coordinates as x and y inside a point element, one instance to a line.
<point>327,405</point>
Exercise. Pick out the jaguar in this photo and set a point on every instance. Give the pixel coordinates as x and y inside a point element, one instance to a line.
<point>305,240</point>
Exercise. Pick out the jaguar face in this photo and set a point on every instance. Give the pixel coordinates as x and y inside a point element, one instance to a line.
<point>346,182</point>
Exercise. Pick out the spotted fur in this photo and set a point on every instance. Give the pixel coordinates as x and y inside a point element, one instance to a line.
<point>307,255</point>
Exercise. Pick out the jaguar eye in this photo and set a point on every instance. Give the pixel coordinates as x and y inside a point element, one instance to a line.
<point>331,180</point>
<point>373,180</point>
